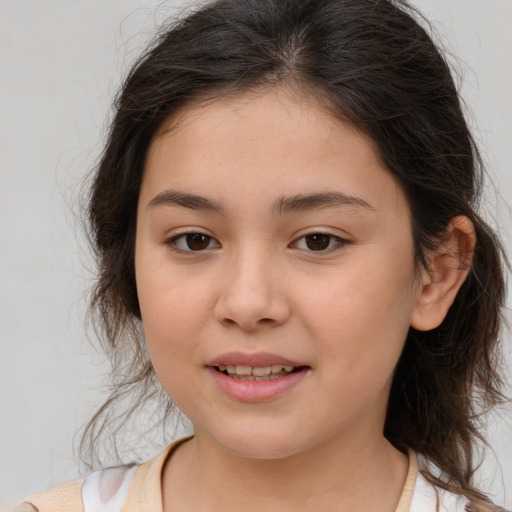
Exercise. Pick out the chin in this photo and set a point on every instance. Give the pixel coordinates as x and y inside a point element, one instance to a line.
<point>263,444</point>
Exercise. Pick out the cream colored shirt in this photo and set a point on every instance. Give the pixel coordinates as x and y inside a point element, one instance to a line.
<point>138,489</point>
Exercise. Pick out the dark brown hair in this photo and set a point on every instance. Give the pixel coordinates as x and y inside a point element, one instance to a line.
<point>374,65</point>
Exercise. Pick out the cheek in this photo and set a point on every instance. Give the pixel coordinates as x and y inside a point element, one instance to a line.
<point>361,315</point>
<point>171,319</point>
<point>173,311</point>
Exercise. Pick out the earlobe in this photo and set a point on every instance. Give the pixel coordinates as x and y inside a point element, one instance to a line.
<point>448,266</point>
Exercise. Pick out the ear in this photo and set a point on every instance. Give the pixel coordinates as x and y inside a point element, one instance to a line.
<point>448,266</point>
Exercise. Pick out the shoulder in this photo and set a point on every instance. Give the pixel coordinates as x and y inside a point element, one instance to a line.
<point>108,487</point>
<point>430,498</point>
<point>22,507</point>
<point>485,507</point>
<point>62,498</point>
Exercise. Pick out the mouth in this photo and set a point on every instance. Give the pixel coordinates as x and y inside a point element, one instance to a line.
<point>257,373</point>
<point>256,377</point>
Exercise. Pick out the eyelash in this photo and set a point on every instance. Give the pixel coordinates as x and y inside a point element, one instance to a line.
<point>334,242</point>
<point>172,242</point>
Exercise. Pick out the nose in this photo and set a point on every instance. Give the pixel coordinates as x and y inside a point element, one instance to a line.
<point>252,293</point>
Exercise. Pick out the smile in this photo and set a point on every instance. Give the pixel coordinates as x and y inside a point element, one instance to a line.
<point>256,373</point>
<point>251,384</point>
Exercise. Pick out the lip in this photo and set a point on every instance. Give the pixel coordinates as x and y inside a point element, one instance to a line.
<point>251,391</point>
<point>255,391</point>
<point>258,359</point>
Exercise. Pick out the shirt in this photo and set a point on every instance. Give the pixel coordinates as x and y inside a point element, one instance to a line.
<point>138,489</point>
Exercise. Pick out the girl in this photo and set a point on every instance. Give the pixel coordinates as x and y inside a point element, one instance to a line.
<point>284,218</point>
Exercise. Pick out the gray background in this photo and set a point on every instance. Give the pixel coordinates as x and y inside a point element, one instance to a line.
<point>61,62</point>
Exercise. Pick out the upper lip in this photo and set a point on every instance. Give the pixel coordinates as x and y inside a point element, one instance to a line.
<point>258,359</point>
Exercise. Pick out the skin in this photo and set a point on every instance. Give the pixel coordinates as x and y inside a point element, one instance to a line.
<point>344,312</point>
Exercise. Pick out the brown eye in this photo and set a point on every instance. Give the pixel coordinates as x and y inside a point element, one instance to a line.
<point>197,241</point>
<point>317,241</point>
<point>190,242</point>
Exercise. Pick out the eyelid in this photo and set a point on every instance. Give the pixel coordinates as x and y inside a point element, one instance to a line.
<point>170,241</point>
<point>341,240</point>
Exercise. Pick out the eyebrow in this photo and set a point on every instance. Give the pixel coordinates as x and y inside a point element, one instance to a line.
<point>283,205</point>
<point>318,200</point>
<point>185,200</point>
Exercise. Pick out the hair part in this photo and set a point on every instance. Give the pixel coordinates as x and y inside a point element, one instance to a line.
<point>404,98</point>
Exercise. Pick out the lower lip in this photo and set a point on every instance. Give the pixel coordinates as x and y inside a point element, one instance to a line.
<point>254,390</point>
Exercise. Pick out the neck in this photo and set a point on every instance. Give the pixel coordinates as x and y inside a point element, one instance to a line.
<point>340,474</point>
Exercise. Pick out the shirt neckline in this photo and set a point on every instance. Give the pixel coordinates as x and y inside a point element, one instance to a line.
<point>146,487</point>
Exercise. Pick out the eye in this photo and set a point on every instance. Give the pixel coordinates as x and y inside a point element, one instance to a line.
<point>319,242</point>
<point>190,242</point>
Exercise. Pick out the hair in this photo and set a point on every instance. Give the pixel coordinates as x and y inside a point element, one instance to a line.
<point>372,64</point>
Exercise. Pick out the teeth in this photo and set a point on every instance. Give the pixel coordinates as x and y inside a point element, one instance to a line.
<point>243,370</point>
<point>258,372</point>
<point>251,378</point>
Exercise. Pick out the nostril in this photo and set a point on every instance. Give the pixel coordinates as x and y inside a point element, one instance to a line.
<point>251,311</point>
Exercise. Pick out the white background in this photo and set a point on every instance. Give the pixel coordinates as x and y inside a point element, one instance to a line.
<point>61,62</point>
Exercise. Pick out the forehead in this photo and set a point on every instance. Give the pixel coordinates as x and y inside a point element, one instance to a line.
<point>255,116</point>
<point>264,143</point>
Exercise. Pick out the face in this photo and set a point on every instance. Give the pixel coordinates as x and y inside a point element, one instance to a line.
<point>275,273</point>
